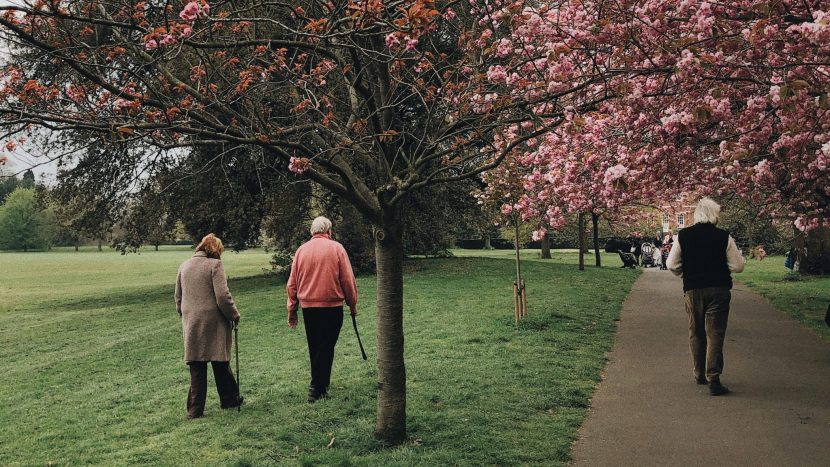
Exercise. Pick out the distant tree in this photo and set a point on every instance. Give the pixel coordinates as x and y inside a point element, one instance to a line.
<point>234,193</point>
<point>28,180</point>
<point>22,225</point>
<point>91,195</point>
<point>8,181</point>
<point>148,221</point>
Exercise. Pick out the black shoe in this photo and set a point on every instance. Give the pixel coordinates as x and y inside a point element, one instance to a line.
<point>701,380</point>
<point>233,406</point>
<point>717,389</point>
<point>314,395</point>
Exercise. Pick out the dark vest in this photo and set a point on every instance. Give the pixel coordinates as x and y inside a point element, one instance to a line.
<point>703,252</point>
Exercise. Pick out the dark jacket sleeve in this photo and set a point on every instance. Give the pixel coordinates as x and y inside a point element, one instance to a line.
<point>223,295</point>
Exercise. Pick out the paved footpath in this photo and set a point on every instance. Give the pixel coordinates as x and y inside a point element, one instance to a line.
<point>648,410</point>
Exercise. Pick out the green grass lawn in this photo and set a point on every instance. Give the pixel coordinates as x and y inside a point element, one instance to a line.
<point>805,298</point>
<point>93,373</point>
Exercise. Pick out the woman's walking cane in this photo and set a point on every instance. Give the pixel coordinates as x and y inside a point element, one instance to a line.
<point>236,350</point>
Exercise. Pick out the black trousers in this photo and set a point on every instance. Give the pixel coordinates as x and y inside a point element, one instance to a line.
<point>225,386</point>
<point>322,328</point>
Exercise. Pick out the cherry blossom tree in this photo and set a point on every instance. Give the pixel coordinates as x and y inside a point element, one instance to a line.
<point>710,97</point>
<point>725,96</point>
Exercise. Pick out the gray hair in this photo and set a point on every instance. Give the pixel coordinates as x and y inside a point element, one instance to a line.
<point>320,225</point>
<point>707,212</point>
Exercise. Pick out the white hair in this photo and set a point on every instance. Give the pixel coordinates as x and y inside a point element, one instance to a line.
<point>320,225</point>
<point>707,212</point>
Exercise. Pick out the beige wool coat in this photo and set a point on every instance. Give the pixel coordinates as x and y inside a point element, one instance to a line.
<point>206,307</point>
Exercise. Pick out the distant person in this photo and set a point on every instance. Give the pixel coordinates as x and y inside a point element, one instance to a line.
<point>668,241</point>
<point>637,249</point>
<point>704,256</point>
<point>321,280</point>
<point>208,316</point>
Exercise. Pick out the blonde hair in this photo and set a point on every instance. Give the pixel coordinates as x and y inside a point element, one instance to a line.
<point>212,246</point>
<point>707,212</point>
<point>320,225</point>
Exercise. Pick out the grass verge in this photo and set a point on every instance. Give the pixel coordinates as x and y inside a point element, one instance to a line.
<point>806,298</point>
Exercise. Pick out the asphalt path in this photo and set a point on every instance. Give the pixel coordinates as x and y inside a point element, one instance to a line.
<point>649,411</point>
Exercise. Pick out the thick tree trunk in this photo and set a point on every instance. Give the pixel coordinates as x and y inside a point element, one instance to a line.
<point>546,247</point>
<point>157,247</point>
<point>487,245</point>
<point>390,426</point>
<point>581,234</point>
<point>100,242</point>
<point>595,221</point>
<point>76,246</point>
<point>817,260</point>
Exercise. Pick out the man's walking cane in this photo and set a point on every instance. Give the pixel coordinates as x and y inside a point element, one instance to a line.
<point>354,323</point>
<point>236,350</point>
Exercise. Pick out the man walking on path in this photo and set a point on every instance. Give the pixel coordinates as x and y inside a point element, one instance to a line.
<point>704,256</point>
<point>321,279</point>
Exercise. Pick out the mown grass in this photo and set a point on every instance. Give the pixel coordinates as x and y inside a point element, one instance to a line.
<point>92,367</point>
<point>806,298</point>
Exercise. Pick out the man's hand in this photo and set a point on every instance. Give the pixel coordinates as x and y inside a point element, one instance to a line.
<point>236,320</point>
<point>292,319</point>
<point>353,310</point>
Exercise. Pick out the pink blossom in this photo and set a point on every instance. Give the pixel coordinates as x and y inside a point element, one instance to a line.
<point>193,11</point>
<point>496,74</point>
<point>151,44</point>
<point>392,40</point>
<point>615,173</point>
<point>411,43</point>
<point>299,165</point>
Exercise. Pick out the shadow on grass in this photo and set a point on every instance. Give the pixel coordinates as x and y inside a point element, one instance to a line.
<point>155,294</point>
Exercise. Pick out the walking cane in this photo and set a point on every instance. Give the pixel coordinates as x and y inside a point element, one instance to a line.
<point>236,350</point>
<point>354,324</point>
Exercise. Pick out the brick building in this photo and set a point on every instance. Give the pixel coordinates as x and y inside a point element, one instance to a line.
<point>679,213</point>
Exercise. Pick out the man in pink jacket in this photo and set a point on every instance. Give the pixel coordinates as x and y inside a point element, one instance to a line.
<point>321,280</point>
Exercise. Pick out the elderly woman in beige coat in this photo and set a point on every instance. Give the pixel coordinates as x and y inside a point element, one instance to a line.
<point>208,315</point>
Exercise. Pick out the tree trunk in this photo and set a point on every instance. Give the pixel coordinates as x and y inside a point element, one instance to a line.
<point>817,261</point>
<point>99,245</point>
<point>76,246</point>
<point>487,245</point>
<point>390,426</point>
<point>799,249</point>
<point>546,247</point>
<point>157,247</point>
<point>581,234</point>
<point>595,221</point>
